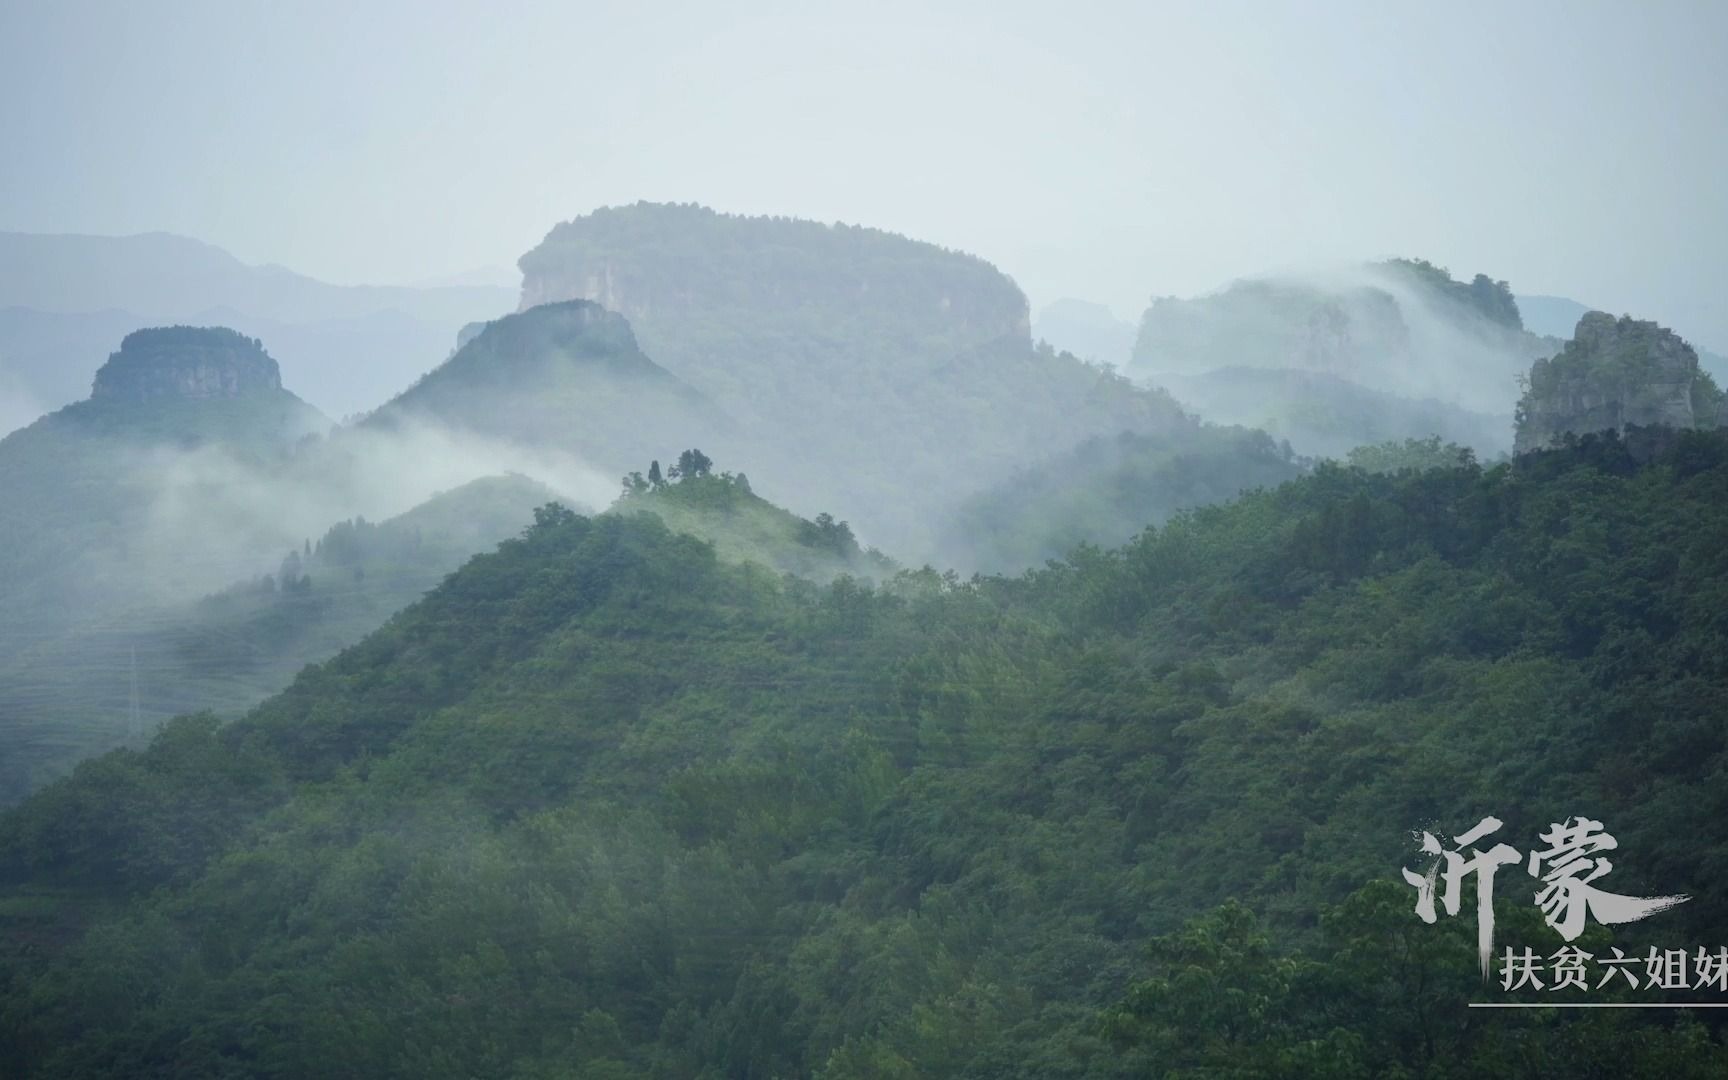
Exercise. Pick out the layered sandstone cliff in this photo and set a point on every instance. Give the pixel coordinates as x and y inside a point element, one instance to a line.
<point>1615,374</point>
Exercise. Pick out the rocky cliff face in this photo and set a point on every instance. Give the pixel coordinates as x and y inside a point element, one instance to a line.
<point>1615,374</point>
<point>872,376</point>
<point>653,262</point>
<point>186,363</point>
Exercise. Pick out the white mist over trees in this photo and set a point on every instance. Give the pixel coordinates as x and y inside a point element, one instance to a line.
<point>856,375</point>
<point>742,641</point>
<point>1347,356</point>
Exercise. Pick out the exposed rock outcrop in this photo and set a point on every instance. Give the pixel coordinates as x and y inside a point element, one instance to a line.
<point>654,261</point>
<point>186,363</point>
<point>1615,374</point>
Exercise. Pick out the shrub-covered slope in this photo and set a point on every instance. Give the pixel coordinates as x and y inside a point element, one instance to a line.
<point>1104,491</point>
<point>565,376</point>
<point>118,675</point>
<point>605,804</point>
<point>85,528</point>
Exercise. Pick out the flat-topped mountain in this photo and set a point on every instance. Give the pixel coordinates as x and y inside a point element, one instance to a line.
<point>653,261</point>
<point>116,497</point>
<point>187,362</point>
<point>65,300</point>
<point>1615,374</point>
<point>871,375</point>
<point>184,385</point>
<point>181,386</point>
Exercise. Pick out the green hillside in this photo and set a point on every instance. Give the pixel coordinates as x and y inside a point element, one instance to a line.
<point>85,527</point>
<point>744,527</point>
<point>1104,491</point>
<point>120,673</point>
<point>606,804</point>
<point>871,375</point>
<point>1323,415</point>
<point>564,376</point>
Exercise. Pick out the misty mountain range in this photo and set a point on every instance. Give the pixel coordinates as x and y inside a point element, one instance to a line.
<point>886,386</point>
<point>66,301</point>
<point>1341,358</point>
<point>663,536</point>
<point>482,626</point>
<point>1093,332</point>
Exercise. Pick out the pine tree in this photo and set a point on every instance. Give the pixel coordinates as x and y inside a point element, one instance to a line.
<point>694,463</point>
<point>290,572</point>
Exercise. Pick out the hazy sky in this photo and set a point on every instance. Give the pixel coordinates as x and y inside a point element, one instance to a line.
<point>1108,151</point>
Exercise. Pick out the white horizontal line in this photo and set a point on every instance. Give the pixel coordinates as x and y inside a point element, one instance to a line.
<point>1599,1004</point>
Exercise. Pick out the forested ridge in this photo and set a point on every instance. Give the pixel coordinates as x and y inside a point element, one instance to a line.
<point>876,377</point>
<point>607,804</point>
<point>113,680</point>
<point>1104,491</point>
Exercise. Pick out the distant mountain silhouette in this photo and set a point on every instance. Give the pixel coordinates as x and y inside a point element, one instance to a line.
<point>566,376</point>
<point>64,300</point>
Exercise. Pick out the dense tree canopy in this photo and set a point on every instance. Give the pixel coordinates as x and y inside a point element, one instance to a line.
<point>608,804</point>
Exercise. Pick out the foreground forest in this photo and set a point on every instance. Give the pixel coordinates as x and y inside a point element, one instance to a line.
<point>607,804</point>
